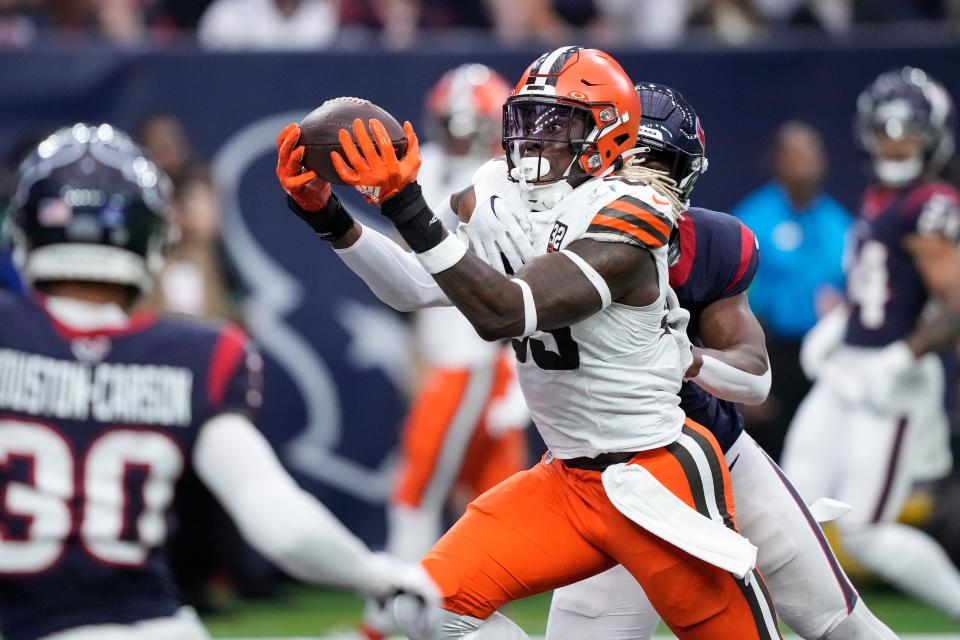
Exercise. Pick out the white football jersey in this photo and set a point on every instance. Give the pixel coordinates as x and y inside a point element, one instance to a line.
<point>610,382</point>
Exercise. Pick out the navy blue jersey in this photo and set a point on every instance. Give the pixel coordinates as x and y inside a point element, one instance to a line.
<point>718,259</point>
<point>95,430</point>
<point>885,290</point>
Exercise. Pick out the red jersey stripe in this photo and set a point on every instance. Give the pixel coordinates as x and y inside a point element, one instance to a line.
<point>227,353</point>
<point>747,243</point>
<point>680,272</point>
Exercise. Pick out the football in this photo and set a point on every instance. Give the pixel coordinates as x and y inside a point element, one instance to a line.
<point>319,129</point>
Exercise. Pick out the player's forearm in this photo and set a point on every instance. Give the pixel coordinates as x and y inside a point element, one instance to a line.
<point>745,357</point>
<point>553,291</point>
<point>395,276</point>
<point>492,303</point>
<point>735,364</point>
<point>274,515</point>
<point>737,375</point>
<point>937,258</point>
<point>940,333</point>
<point>349,238</point>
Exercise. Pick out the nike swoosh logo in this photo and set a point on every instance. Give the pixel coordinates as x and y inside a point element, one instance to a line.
<point>730,466</point>
<point>657,200</point>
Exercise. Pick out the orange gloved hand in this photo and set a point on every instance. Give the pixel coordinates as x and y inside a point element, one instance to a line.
<point>307,190</point>
<point>375,170</point>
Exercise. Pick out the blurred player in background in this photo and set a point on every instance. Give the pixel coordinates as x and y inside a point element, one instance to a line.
<point>104,410</point>
<point>713,260</point>
<point>464,432</point>
<point>875,422</point>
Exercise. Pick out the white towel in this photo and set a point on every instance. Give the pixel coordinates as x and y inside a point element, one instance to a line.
<point>828,509</point>
<point>638,495</point>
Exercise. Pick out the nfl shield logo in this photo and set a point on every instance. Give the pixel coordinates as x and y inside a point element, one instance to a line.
<point>91,349</point>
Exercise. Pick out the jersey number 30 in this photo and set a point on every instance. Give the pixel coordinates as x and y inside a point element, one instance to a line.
<point>56,496</point>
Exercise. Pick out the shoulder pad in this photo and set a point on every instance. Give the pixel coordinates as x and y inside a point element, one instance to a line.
<point>491,172</point>
<point>634,220</point>
<point>936,209</point>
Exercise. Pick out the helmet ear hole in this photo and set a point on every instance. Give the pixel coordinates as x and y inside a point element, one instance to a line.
<point>620,139</point>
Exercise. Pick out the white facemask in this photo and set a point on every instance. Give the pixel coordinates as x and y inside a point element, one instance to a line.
<point>547,196</point>
<point>896,173</point>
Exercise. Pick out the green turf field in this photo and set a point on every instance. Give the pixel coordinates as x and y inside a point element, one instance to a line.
<point>313,613</point>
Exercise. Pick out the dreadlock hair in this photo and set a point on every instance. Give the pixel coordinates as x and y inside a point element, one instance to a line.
<point>659,180</point>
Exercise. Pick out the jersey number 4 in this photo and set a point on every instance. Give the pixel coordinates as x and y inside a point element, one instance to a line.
<point>48,495</point>
<point>565,358</point>
<point>868,284</point>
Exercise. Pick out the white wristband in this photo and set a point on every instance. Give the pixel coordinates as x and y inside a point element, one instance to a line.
<point>529,308</point>
<point>595,278</point>
<point>444,255</point>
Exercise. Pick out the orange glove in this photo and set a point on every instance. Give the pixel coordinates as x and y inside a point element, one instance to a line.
<point>377,174</point>
<point>307,190</point>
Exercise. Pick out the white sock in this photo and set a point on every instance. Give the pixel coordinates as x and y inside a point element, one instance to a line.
<point>379,618</point>
<point>497,627</point>
<point>411,531</point>
<point>909,559</point>
<point>861,624</point>
<point>440,624</point>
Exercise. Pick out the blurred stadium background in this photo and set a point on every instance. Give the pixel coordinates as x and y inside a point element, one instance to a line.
<point>208,85</point>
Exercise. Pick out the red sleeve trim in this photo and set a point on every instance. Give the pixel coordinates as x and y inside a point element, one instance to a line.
<point>747,244</point>
<point>680,272</point>
<point>919,196</point>
<point>227,354</point>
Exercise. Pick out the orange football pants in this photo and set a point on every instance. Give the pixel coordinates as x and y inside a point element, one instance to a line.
<point>552,525</point>
<point>445,440</point>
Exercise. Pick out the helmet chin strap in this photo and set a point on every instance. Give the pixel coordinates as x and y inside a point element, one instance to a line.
<point>897,173</point>
<point>539,197</point>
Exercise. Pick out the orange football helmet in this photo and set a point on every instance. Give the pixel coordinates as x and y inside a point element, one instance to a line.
<point>464,109</point>
<point>582,97</point>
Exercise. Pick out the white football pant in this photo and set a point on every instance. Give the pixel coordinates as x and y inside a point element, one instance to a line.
<point>849,451</point>
<point>809,589</point>
<point>184,625</point>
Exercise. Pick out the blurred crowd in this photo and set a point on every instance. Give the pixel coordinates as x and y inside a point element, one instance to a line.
<point>404,23</point>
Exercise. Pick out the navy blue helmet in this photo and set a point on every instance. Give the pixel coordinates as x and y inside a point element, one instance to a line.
<point>88,204</point>
<point>671,134</point>
<point>906,102</point>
